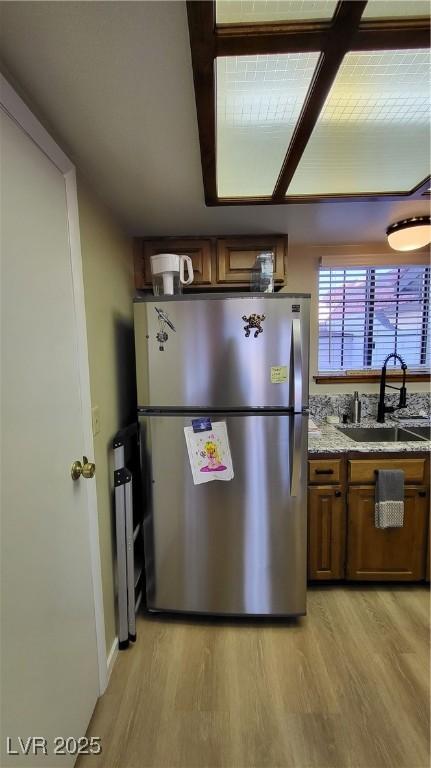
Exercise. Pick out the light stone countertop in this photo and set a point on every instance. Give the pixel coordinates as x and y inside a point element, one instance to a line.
<point>334,441</point>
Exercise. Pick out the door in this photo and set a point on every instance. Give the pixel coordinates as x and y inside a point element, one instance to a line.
<point>214,358</point>
<point>227,547</point>
<point>50,676</point>
<point>391,554</point>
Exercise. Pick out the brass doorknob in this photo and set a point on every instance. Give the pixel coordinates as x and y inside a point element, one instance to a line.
<point>87,469</point>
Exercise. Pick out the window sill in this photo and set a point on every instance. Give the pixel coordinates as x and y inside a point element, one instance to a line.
<point>356,378</point>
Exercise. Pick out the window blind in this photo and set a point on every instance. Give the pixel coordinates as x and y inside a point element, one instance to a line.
<point>365,313</point>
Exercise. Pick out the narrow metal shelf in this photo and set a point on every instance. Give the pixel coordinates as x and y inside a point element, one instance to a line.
<point>130,560</point>
<point>138,571</point>
<point>136,531</point>
<point>138,601</point>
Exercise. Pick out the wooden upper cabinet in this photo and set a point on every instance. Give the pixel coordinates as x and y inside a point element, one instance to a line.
<point>199,251</point>
<point>390,554</point>
<point>217,261</point>
<point>236,257</point>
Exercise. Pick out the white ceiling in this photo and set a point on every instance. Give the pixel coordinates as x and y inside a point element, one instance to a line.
<point>113,81</point>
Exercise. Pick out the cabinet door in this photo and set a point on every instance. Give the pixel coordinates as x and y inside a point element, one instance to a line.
<point>326,532</point>
<point>198,250</point>
<point>236,257</point>
<point>427,567</point>
<point>391,554</point>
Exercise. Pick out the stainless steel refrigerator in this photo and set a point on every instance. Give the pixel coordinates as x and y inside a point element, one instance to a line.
<point>235,547</point>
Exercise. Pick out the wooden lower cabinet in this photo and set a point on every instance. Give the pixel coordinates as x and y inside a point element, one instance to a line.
<point>393,554</point>
<point>326,532</point>
<point>427,567</point>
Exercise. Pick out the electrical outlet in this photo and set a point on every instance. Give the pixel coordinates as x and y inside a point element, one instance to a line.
<point>95,418</point>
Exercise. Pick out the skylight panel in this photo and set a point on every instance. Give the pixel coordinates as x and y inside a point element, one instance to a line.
<point>389,9</point>
<point>373,133</point>
<point>251,11</point>
<point>259,99</point>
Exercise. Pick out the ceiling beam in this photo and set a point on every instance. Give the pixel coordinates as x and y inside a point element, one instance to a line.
<point>293,37</point>
<point>201,19</point>
<point>346,21</point>
<point>416,193</point>
<point>422,189</point>
<point>392,34</point>
<point>270,38</point>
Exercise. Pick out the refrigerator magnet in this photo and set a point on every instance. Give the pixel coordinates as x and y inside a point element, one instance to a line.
<point>202,425</point>
<point>278,374</point>
<point>164,321</point>
<point>209,454</point>
<point>254,323</point>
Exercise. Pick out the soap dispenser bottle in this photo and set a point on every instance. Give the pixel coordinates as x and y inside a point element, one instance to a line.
<point>356,409</point>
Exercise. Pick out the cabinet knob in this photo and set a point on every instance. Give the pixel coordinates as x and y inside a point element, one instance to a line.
<point>422,493</point>
<point>337,493</point>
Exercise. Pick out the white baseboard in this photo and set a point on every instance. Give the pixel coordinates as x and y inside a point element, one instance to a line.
<point>112,657</point>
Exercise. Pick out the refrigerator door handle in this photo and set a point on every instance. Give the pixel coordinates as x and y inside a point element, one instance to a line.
<point>295,457</point>
<point>296,366</point>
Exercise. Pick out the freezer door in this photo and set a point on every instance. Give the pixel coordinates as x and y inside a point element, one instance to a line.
<point>227,547</point>
<point>213,358</point>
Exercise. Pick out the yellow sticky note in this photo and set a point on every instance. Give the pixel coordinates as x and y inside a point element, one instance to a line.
<point>278,374</point>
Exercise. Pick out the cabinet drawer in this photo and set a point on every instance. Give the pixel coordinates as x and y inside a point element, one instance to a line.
<point>324,471</point>
<point>363,470</point>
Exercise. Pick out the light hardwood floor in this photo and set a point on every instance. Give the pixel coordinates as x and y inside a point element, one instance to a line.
<point>345,687</point>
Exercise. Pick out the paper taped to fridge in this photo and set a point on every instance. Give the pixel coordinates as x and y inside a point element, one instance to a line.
<point>209,453</point>
<point>278,374</point>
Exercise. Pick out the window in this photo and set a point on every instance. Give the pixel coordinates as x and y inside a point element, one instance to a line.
<point>365,313</point>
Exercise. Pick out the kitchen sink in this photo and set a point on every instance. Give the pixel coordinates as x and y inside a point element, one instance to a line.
<point>421,431</point>
<point>383,434</point>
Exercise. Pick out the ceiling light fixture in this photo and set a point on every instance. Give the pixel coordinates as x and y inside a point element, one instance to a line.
<point>409,234</point>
